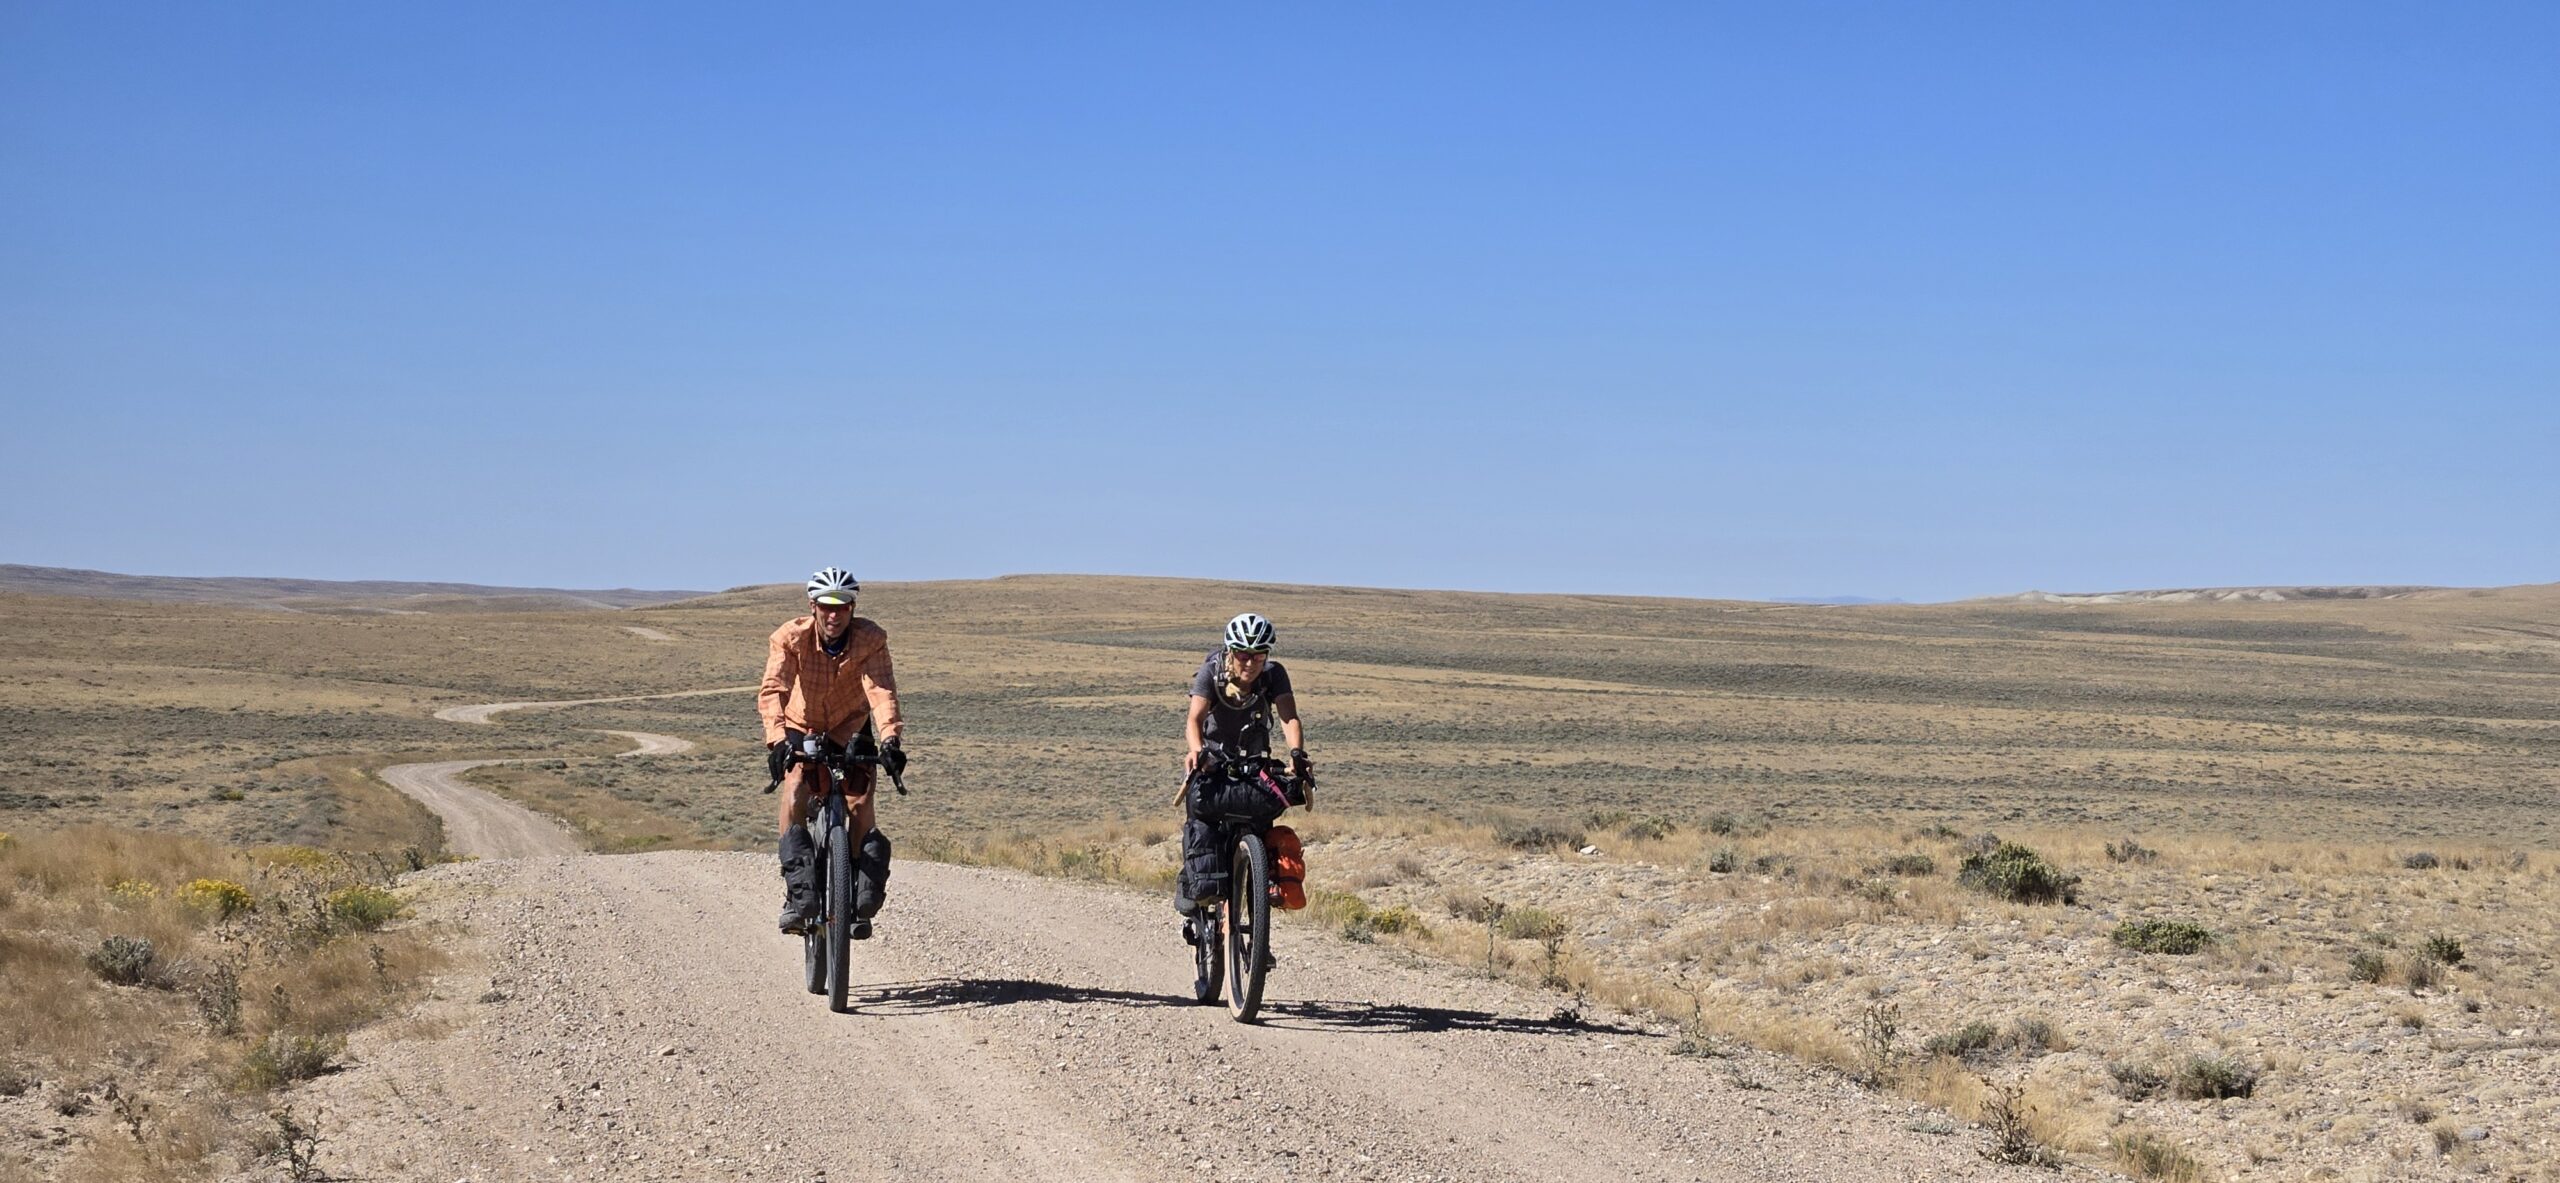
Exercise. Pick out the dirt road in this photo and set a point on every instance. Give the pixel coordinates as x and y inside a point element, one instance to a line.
<point>480,823</point>
<point>636,1017</point>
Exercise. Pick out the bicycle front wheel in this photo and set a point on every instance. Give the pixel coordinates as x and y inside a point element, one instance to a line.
<point>839,917</point>
<point>1248,926</point>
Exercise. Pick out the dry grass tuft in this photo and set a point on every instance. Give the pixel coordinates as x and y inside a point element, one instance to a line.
<point>161,982</point>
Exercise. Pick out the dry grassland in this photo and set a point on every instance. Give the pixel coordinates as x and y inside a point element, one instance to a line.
<point>1746,774</point>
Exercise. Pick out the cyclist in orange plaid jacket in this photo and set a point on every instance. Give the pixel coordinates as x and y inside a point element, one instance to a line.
<point>828,674</point>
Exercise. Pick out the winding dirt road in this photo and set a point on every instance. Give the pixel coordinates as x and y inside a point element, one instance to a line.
<point>636,1018</point>
<point>480,823</point>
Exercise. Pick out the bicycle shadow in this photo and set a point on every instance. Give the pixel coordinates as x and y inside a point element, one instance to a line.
<point>948,994</point>
<point>1373,1018</point>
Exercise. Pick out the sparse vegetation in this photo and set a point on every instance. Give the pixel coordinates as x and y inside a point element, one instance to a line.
<point>1970,1039</point>
<point>2366,965</point>
<point>2130,851</point>
<point>125,961</point>
<point>2013,872</point>
<point>2150,1156</point>
<point>2442,948</point>
<point>2206,1078</point>
<point>171,1091</point>
<point>2177,937</point>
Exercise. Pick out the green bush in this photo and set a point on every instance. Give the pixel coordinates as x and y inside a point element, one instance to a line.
<point>286,1057</point>
<point>2424,860</point>
<point>363,907</point>
<point>1725,860</point>
<point>1535,835</point>
<point>1963,1041</point>
<point>2207,1078</point>
<point>2365,965</point>
<point>2013,872</point>
<point>2440,947</point>
<point>1531,924</point>
<point>125,961</point>
<point>1913,864</point>
<point>1648,829</point>
<point>1400,918</point>
<point>2163,936</point>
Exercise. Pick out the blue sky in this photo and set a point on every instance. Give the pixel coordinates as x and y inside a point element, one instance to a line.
<point>1917,301</point>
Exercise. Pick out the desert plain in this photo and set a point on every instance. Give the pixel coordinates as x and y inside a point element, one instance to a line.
<point>2302,850</point>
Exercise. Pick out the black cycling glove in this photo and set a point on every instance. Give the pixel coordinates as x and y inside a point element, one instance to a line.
<point>894,758</point>
<point>778,757</point>
<point>1301,767</point>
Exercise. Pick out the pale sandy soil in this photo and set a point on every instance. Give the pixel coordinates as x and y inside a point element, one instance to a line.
<point>636,1018</point>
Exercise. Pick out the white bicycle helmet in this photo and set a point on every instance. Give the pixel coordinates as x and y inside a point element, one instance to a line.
<point>835,585</point>
<point>1250,633</point>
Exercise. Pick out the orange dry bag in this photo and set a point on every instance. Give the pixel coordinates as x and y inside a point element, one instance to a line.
<point>1288,867</point>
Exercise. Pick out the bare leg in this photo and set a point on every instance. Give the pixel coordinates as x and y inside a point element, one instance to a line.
<point>797,793</point>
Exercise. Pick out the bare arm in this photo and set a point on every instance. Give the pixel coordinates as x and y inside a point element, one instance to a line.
<point>1191,733</point>
<point>1286,706</point>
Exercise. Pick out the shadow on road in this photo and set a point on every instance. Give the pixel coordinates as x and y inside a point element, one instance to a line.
<point>941,994</point>
<point>947,994</point>
<point>1322,1015</point>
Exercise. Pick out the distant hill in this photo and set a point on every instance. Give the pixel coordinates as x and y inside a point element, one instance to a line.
<point>324,595</point>
<point>2220,595</point>
<point>1837,600</point>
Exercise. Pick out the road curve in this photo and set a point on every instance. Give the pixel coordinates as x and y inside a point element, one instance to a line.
<point>485,712</point>
<point>484,825</point>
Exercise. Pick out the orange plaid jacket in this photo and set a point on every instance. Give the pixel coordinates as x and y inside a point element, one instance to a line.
<point>807,691</point>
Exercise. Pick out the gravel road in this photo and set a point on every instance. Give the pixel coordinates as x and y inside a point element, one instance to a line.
<point>483,824</point>
<point>635,1017</point>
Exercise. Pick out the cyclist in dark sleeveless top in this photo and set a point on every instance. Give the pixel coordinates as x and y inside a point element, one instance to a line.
<point>1235,697</point>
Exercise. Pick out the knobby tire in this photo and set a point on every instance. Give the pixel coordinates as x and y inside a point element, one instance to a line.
<point>839,906</point>
<point>1249,925</point>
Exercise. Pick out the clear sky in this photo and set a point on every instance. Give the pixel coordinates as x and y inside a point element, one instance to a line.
<point>1909,300</point>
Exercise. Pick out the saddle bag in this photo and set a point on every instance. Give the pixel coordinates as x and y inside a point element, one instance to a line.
<point>1288,867</point>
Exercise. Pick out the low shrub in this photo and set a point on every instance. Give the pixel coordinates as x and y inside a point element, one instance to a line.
<point>1400,918</point>
<point>1724,860</point>
<point>1647,829</point>
<point>1536,835</point>
<point>2440,947</point>
<point>1963,1041</point>
<point>2424,860</point>
<point>125,961</point>
<point>2178,937</point>
<point>2130,851</point>
<point>2365,965</point>
<point>1531,924</point>
<point>2422,973</point>
<point>1910,865</point>
<point>2137,1082</point>
<point>363,907</point>
<point>286,1057</point>
<point>2209,1078</point>
<point>2150,1156</point>
<point>2013,872</point>
<point>219,898</point>
<point>132,893</point>
<point>2035,1035</point>
<point>1723,825</point>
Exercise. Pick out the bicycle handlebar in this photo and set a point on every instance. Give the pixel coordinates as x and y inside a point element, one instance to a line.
<point>843,763</point>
